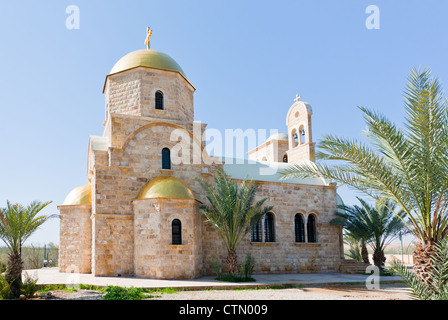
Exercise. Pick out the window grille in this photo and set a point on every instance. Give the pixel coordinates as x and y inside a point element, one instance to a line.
<point>299,228</point>
<point>269,234</point>
<point>256,232</point>
<point>311,228</point>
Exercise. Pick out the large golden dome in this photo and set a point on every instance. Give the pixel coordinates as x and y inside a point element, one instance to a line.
<point>165,187</point>
<point>147,58</point>
<point>79,196</point>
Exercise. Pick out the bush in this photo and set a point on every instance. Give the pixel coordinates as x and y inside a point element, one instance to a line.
<point>5,291</point>
<point>120,293</point>
<point>29,286</point>
<point>247,268</point>
<point>216,265</point>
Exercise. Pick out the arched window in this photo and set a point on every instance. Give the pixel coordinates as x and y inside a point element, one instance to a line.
<point>299,228</point>
<point>159,100</point>
<point>256,232</point>
<point>269,234</point>
<point>176,232</point>
<point>295,138</point>
<point>285,158</point>
<point>166,158</point>
<point>302,135</point>
<point>311,228</point>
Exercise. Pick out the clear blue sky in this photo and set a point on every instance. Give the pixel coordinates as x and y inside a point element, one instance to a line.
<point>247,59</point>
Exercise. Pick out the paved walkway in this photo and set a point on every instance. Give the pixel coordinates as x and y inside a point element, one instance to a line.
<point>53,276</point>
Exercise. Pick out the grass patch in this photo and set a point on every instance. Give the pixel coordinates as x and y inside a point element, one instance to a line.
<point>120,293</point>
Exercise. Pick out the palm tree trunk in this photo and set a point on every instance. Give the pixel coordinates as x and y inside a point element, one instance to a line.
<point>365,254</point>
<point>13,273</point>
<point>232,262</point>
<point>379,259</point>
<point>422,260</point>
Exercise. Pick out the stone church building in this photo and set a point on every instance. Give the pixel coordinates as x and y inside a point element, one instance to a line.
<point>138,214</point>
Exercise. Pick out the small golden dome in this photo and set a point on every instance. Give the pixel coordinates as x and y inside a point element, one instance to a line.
<point>79,196</point>
<point>165,187</point>
<point>147,58</point>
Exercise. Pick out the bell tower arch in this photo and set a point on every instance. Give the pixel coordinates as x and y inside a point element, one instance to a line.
<point>300,139</point>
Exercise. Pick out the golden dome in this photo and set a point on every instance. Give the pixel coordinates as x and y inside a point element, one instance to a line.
<point>147,58</point>
<point>79,196</point>
<point>165,187</point>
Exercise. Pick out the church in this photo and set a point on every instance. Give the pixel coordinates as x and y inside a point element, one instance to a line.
<point>138,215</point>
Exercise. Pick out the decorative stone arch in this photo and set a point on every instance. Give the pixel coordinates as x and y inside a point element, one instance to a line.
<point>161,124</point>
<point>317,214</point>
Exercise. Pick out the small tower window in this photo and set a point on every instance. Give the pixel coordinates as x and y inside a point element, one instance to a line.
<point>302,135</point>
<point>166,159</point>
<point>176,229</point>
<point>311,228</point>
<point>299,228</point>
<point>159,100</point>
<point>269,234</point>
<point>256,233</point>
<point>285,158</point>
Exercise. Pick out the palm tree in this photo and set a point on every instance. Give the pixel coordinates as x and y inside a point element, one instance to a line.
<point>17,224</point>
<point>409,165</point>
<point>375,225</point>
<point>232,211</point>
<point>354,251</point>
<point>351,219</point>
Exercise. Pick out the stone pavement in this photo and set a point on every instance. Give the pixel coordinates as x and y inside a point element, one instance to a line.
<point>53,276</point>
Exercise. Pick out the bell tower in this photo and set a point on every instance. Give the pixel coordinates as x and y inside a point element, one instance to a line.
<point>300,139</point>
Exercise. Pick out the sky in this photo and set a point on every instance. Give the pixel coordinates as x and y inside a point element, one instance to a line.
<point>247,59</point>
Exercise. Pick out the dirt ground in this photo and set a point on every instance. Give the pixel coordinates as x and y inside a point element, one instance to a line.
<point>335,292</point>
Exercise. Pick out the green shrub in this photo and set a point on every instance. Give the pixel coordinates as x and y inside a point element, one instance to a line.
<point>215,263</point>
<point>247,268</point>
<point>29,286</point>
<point>120,293</point>
<point>5,292</point>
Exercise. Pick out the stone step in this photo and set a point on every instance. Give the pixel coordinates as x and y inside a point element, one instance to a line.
<point>351,266</point>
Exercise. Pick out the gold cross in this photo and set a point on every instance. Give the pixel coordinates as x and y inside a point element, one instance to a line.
<point>148,36</point>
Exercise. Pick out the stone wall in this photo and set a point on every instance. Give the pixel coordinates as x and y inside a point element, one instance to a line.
<point>75,236</point>
<point>285,255</point>
<point>113,245</point>
<point>133,93</point>
<point>155,254</point>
